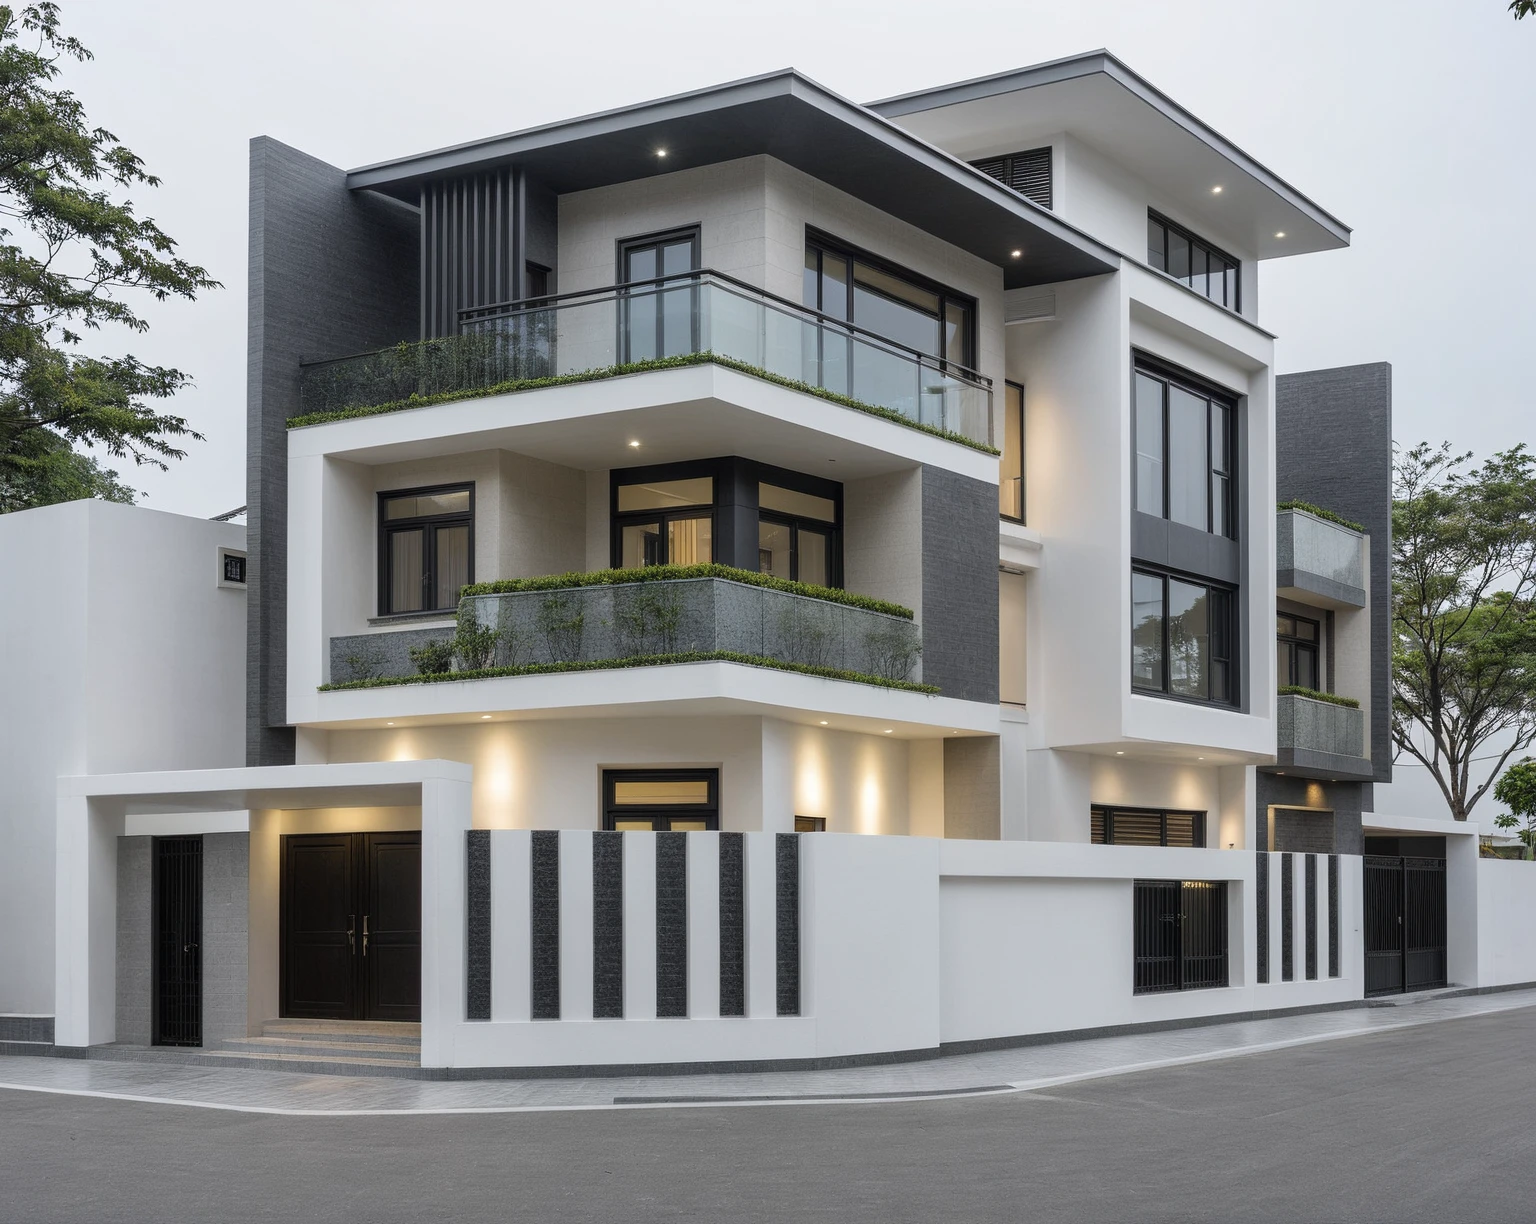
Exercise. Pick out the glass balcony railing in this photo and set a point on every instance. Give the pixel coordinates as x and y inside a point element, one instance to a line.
<point>607,330</point>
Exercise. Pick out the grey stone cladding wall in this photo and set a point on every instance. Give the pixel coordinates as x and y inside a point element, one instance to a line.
<point>135,959</point>
<point>1333,448</point>
<point>226,935</point>
<point>959,613</point>
<point>332,272</point>
<point>1346,799</point>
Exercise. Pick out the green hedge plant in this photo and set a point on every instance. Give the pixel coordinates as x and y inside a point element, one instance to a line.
<point>674,573</point>
<point>1319,512</point>
<point>1296,690</point>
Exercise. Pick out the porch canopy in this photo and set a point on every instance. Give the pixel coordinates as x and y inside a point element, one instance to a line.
<point>91,817</point>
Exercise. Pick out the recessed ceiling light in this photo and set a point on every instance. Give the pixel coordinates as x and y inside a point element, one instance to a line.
<point>1199,758</point>
<point>1279,773</point>
<point>389,724</point>
<point>1216,190</point>
<point>661,152</point>
<point>1281,234</point>
<point>483,717</point>
<point>823,722</point>
<point>888,730</point>
<point>1016,254</point>
<point>634,442</point>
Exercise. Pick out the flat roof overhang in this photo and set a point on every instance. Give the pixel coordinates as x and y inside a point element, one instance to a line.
<point>1100,100</point>
<point>789,117</point>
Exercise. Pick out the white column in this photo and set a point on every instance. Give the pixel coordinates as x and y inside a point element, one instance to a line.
<point>85,923</point>
<point>511,924</point>
<point>445,818</point>
<point>639,926</point>
<point>762,924</point>
<point>703,924</point>
<point>778,777</point>
<point>1276,909</point>
<point>576,924</point>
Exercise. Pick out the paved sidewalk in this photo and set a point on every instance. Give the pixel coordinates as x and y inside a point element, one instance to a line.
<point>996,1072</point>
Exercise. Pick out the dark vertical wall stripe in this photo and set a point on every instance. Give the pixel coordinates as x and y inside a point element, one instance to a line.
<point>477,936</point>
<point>1261,913</point>
<point>1333,915</point>
<point>672,925</point>
<point>608,926</point>
<point>787,921</point>
<point>959,585</point>
<point>331,272</point>
<point>1311,902</point>
<point>733,928</point>
<point>1287,916</point>
<point>544,952</point>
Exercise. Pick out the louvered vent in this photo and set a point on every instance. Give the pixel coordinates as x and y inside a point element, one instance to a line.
<point>1026,305</point>
<point>1028,173</point>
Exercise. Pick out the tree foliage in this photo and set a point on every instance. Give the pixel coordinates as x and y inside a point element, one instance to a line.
<point>1522,8</point>
<point>1463,614</point>
<point>1517,791</point>
<point>72,253</point>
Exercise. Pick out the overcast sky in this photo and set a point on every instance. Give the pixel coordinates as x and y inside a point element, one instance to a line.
<point>1409,119</point>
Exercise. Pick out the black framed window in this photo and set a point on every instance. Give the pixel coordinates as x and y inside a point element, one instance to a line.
<point>1028,172</point>
<point>1193,261</point>
<point>795,534</point>
<point>733,511</point>
<point>1182,635</point>
<point>1010,492</point>
<point>676,800</point>
<point>1297,641</point>
<point>426,548</point>
<point>1126,826</point>
<point>888,300</point>
<point>1185,445</point>
<point>535,280</point>
<point>658,319</point>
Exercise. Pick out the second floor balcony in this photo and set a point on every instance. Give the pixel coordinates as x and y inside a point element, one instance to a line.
<point>1320,560</point>
<point>1322,737</point>
<point>636,327</point>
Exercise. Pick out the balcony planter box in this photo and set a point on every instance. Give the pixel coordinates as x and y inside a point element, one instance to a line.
<point>690,616</point>
<point>1320,558</point>
<point>1320,738</point>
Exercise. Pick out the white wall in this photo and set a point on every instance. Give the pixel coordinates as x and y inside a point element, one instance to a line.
<point>548,774</point>
<point>1506,922</point>
<point>120,652</point>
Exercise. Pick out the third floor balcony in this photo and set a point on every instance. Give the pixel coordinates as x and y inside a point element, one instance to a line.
<point>633,328</point>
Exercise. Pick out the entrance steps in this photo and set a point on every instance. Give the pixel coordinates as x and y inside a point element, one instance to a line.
<point>340,1044</point>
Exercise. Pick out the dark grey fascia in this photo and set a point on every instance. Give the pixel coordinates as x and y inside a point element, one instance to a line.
<point>1102,61</point>
<point>789,117</point>
<point>1322,766</point>
<point>1320,585</point>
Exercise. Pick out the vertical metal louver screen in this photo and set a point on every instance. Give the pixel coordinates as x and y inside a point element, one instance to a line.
<point>1027,172</point>
<point>177,887</point>
<point>470,246</point>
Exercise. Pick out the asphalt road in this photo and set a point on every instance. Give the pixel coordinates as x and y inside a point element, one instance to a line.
<point>1435,1123</point>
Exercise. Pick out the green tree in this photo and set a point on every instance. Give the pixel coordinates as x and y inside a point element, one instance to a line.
<point>71,253</point>
<point>1522,8</point>
<point>1517,791</point>
<point>1463,614</point>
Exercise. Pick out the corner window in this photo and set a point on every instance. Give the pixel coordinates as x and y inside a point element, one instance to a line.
<point>1192,261</point>
<point>712,510</point>
<point>426,548</point>
<point>1185,451</point>
<point>1122,826</point>
<point>661,800</point>
<point>1181,638</point>
<point>1010,491</point>
<point>890,302</point>
<point>1296,651</point>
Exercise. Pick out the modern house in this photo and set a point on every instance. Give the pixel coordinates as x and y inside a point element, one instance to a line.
<point>750,576</point>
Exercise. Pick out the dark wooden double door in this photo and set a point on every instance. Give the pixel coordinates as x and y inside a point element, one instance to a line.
<point>351,926</point>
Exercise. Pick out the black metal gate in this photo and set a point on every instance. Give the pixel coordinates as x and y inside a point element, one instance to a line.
<point>1180,935</point>
<point>1405,924</point>
<point>177,911</point>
